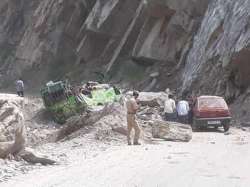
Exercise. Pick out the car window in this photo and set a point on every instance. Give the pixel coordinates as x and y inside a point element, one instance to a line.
<point>212,103</point>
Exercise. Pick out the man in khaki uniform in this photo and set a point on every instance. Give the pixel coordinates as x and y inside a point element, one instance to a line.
<point>132,108</point>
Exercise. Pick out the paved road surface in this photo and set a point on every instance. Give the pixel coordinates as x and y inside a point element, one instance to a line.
<point>211,159</point>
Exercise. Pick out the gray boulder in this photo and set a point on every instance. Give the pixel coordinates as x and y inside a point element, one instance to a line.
<point>152,99</point>
<point>171,131</point>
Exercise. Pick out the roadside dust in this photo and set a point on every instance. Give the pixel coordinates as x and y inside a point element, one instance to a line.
<point>209,159</point>
<point>42,132</point>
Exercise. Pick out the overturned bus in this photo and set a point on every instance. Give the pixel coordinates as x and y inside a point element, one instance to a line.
<point>64,102</point>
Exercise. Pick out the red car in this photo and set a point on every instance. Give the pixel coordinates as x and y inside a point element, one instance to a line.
<point>211,111</point>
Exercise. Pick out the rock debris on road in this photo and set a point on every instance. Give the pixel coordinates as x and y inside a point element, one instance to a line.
<point>210,159</point>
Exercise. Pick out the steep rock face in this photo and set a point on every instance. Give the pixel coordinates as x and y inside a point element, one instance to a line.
<point>54,39</point>
<point>223,34</point>
<point>167,29</point>
<point>107,29</point>
<point>13,16</point>
<point>161,43</point>
<point>218,61</point>
<point>37,36</point>
<point>199,46</point>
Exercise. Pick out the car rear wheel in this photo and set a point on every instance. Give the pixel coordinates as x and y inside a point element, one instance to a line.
<point>226,127</point>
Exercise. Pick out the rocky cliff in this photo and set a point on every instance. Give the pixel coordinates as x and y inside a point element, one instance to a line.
<point>197,46</point>
<point>217,63</point>
<point>120,40</point>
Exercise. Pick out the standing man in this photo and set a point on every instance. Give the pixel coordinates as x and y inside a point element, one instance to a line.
<point>132,107</point>
<point>20,87</point>
<point>191,102</point>
<point>169,108</point>
<point>183,110</point>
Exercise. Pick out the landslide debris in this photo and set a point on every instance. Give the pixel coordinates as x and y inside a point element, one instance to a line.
<point>97,129</point>
<point>13,130</point>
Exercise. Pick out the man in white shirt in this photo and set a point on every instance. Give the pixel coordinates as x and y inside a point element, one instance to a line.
<point>20,87</point>
<point>182,111</point>
<point>169,108</point>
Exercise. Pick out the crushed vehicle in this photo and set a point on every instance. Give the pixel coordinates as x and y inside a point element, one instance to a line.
<point>211,111</point>
<point>64,101</point>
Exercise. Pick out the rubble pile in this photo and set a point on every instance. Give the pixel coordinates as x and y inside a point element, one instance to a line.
<point>106,121</point>
<point>109,122</point>
<point>152,99</point>
<point>13,132</point>
<point>113,124</point>
<point>151,119</point>
<point>10,115</point>
<point>100,126</point>
<point>171,131</point>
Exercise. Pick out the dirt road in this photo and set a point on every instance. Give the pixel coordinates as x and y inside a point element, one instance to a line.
<point>211,159</point>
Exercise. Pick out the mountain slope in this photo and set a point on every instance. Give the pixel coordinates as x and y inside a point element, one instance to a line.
<point>192,46</point>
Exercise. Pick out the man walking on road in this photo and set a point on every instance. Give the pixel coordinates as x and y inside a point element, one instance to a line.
<point>132,107</point>
<point>20,87</point>
<point>183,110</point>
